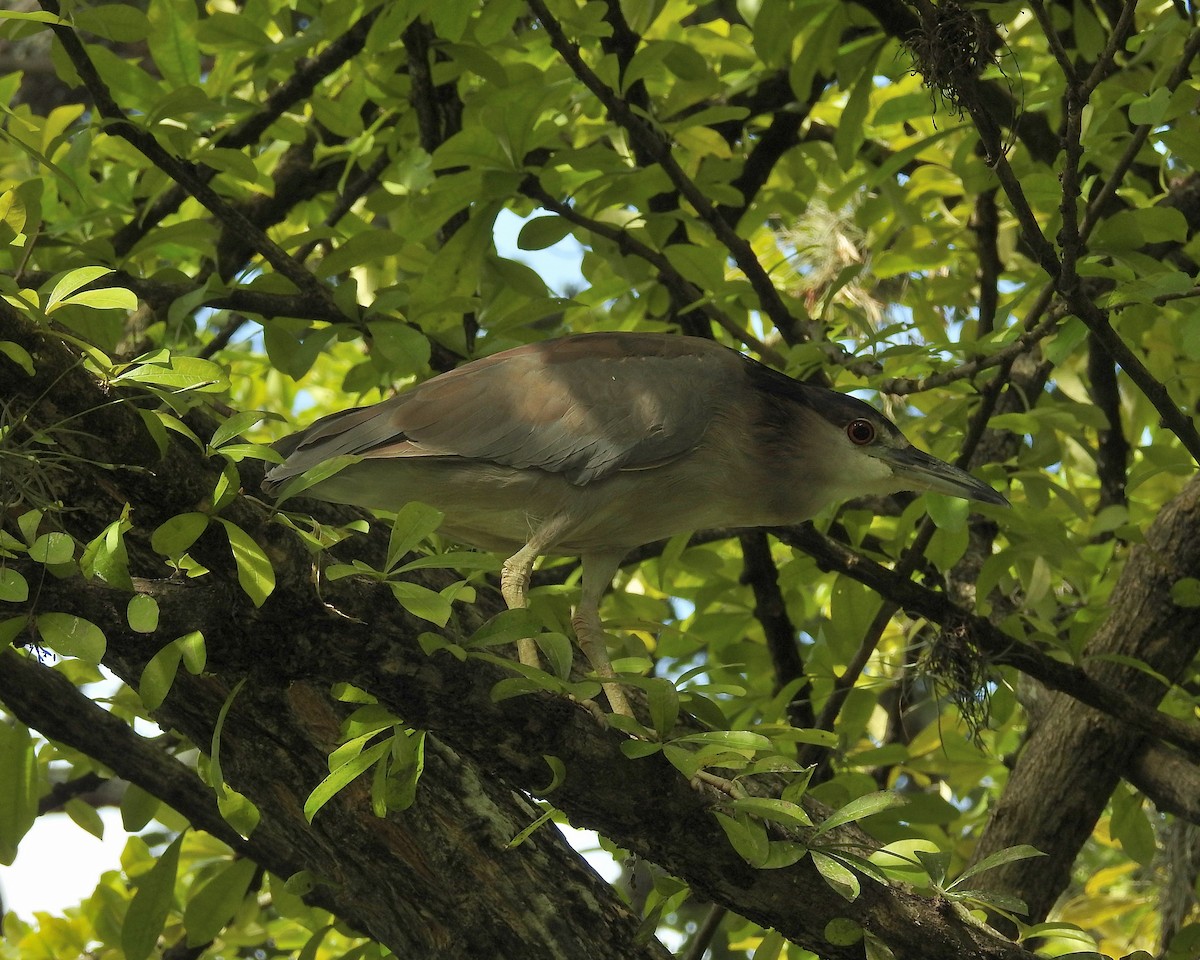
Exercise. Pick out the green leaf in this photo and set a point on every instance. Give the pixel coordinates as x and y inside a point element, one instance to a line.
<point>861,807</point>
<point>254,571</point>
<point>18,355</point>
<point>71,636</point>
<point>703,266</point>
<point>13,587</point>
<point>520,838</point>
<point>236,425</point>
<point>214,754</point>
<point>105,556</point>
<point>112,21</point>
<point>778,811</point>
<point>71,281</point>
<point>33,16</point>
<point>18,788</point>
<point>406,350</point>
<point>539,233</point>
<point>421,601</point>
<point>1131,827</point>
<point>840,877</point>
<point>52,548</point>
<point>843,932</point>
<point>177,374</point>
<point>310,478</point>
<point>234,808</point>
<point>211,907</point>
<point>194,653</point>
<point>238,811</point>
<point>414,522</point>
<point>936,863</point>
<point>106,298</point>
<point>137,808</point>
<point>463,560</point>
<point>746,836</point>
<point>558,651</point>
<point>11,628</point>
<point>1150,109</point>
<point>142,613</point>
<point>158,675</point>
<point>999,901</point>
<point>851,131</point>
<point>84,815</point>
<point>342,776</point>
<point>172,42</point>
<point>147,913</point>
<point>663,701</point>
<point>558,774</point>
<point>172,537</point>
<point>739,740</point>
<point>1132,229</point>
<point>775,27</point>
<point>312,949</point>
<point>635,749</point>
<point>1186,592</point>
<point>1022,851</point>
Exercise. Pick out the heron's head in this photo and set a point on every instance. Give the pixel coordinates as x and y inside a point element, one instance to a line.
<point>856,448</point>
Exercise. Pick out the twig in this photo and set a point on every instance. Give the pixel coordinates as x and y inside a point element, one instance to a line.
<point>1053,39</point>
<point>178,170</point>
<point>1105,64</point>
<point>902,386</point>
<point>627,243</point>
<point>770,610</point>
<point>300,84</point>
<point>1137,141</point>
<point>698,946</point>
<point>998,646</point>
<point>658,149</point>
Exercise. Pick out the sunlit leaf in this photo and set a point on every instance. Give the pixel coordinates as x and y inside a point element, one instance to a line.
<point>151,903</point>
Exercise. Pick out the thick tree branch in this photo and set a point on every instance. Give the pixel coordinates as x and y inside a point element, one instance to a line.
<point>26,687</point>
<point>1075,756</point>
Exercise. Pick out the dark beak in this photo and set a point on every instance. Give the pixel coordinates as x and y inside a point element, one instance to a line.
<point>922,472</point>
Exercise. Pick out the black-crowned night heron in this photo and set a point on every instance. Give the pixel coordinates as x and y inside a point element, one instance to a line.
<point>595,444</point>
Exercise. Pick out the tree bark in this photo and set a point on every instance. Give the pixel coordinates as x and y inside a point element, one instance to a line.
<point>1076,755</point>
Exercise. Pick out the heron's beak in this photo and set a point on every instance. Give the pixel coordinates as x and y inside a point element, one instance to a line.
<point>920,471</point>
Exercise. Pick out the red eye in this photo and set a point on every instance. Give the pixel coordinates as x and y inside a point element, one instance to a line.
<point>860,432</point>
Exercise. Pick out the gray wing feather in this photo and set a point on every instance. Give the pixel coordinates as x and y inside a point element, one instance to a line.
<point>584,406</point>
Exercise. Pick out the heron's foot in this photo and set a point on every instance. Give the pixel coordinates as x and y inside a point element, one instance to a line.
<point>527,652</point>
<point>514,578</point>
<point>703,779</point>
<point>617,699</point>
<point>592,707</point>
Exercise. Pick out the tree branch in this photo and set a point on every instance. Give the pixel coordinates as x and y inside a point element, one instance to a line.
<point>659,150</point>
<point>1003,649</point>
<point>298,86</point>
<point>182,173</point>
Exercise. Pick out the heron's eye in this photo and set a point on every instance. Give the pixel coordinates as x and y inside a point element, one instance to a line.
<point>860,432</point>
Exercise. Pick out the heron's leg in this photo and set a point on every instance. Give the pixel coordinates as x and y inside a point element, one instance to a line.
<point>515,573</point>
<point>598,571</point>
<point>514,585</point>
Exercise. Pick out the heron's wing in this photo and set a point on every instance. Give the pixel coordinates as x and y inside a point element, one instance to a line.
<point>583,406</point>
